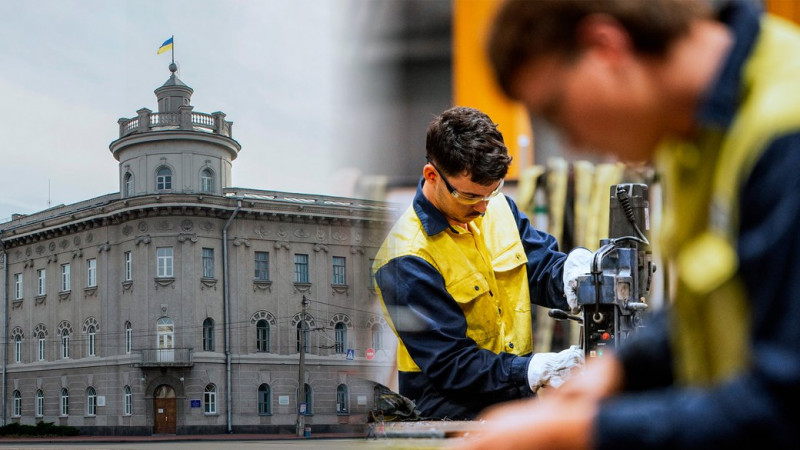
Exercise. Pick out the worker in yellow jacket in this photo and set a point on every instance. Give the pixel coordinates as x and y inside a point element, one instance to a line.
<point>457,275</point>
<point>712,96</point>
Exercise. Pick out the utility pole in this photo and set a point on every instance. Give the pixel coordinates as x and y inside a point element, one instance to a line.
<point>301,384</point>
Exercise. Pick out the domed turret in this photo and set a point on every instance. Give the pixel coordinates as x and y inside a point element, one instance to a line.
<point>174,150</point>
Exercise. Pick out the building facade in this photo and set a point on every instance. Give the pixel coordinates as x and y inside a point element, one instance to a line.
<point>179,304</point>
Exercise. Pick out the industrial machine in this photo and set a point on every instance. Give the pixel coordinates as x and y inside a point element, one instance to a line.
<point>613,296</point>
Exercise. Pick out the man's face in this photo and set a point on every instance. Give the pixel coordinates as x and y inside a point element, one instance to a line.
<point>600,103</point>
<point>459,198</point>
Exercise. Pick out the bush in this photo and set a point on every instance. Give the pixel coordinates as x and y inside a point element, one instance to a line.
<point>41,429</point>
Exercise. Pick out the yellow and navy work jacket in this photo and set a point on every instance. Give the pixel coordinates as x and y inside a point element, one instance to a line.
<point>724,372</point>
<point>459,301</point>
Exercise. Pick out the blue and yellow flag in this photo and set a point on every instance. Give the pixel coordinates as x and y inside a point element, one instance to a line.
<point>167,45</point>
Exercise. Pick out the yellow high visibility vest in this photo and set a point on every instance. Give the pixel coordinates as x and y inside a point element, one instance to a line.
<point>484,269</point>
<point>702,181</point>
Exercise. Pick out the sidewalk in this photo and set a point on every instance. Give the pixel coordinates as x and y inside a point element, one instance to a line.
<point>173,438</point>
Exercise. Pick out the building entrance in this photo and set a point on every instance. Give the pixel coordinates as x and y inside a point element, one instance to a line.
<point>165,411</point>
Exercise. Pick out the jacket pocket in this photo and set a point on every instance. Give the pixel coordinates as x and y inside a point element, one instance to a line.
<point>480,309</point>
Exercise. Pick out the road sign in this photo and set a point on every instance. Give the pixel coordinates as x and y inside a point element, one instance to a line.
<point>351,354</point>
<point>370,354</point>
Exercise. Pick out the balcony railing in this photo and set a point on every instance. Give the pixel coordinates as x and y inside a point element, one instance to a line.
<point>166,357</point>
<point>186,119</point>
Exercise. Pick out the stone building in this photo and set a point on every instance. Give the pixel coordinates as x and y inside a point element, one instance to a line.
<point>177,304</point>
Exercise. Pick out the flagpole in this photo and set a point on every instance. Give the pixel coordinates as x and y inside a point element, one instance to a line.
<point>173,48</point>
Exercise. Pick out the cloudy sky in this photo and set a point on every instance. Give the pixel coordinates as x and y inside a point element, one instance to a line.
<point>69,69</point>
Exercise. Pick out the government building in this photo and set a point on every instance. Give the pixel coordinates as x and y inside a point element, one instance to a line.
<point>183,305</point>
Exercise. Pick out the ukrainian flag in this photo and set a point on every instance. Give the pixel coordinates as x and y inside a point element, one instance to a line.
<point>167,45</point>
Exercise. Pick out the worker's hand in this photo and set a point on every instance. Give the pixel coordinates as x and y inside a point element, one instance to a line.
<point>546,422</point>
<point>552,369</point>
<point>579,262</point>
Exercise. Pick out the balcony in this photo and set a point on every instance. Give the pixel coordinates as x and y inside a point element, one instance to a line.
<point>165,357</point>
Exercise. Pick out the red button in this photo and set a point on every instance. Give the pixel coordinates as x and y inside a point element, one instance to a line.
<point>606,336</point>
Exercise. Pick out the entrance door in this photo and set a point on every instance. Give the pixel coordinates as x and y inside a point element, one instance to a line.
<point>165,411</point>
<point>165,334</point>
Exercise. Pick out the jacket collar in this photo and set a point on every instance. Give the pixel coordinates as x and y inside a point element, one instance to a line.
<point>719,104</point>
<point>433,221</point>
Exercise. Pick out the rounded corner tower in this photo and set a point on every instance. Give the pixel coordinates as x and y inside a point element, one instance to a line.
<point>174,150</point>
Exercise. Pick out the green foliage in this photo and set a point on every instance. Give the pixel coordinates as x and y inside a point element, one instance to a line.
<point>41,429</point>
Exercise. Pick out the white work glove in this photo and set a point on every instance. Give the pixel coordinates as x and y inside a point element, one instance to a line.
<point>552,369</point>
<point>579,262</point>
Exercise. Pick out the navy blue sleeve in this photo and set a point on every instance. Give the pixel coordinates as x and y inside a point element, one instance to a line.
<point>756,409</point>
<point>434,330</point>
<point>545,263</point>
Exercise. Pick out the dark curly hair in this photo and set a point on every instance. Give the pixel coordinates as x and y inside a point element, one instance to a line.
<point>464,140</point>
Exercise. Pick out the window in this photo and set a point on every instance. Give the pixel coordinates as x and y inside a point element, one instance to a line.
<point>42,341</point>
<point>39,403</point>
<point>262,335</point>
<point>127,401</point>
<point>208,335</point>
<point>210,399</point>
<point>65,344</point>
<point>128,337</point>
<point>306,335</point>
<point>262,266</point>
<point>342,400</point>
<point>91,401</point>
<point>307,398</point>
<point>341,337</point>
<point>339,274</point>
<point>41,282</point>
<point>301,268</point>
<point>16,408</point>
<point>18,286</point>
<point>164,262</point>
<point>264,400</point>
<point>377,336</point>
<point>91,344</point>
<point>128,266</point>
<point>91,272</point>
<point>66,283</point>
<point>64,403</point>
<point>206,181</point>
<point>128,185</point>
<point>18,348</point>
<point>208,263</point>
<point>163,179</point>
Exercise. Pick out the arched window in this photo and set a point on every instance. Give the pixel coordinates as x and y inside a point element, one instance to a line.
<point>165,339</point>
<point>307,335</point>
<point>264,400</point>
<point>164,179</point>
<point>127,401</point>
<point>210,399</point>
<point>39,403</point>
<point>307,398</point>
<point>91,343</point>
<point>128,337</point>
<point>16,407</point>
<point>65,344</point>
<point>206,181</point>
<point>340,331</point>
<point>262,335</point>
<point>91,401</point>
<point>41,339</point>
<point>377,336</point>
<point>208,335</point>
<point>127,185</point>
<point>18,348</point>
<point>342,400</point>
<point>64,404</point>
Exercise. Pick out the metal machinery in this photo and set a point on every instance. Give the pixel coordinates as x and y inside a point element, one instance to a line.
<point>613,296</point>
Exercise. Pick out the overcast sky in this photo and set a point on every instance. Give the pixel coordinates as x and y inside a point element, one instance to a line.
<point>69,69</point>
